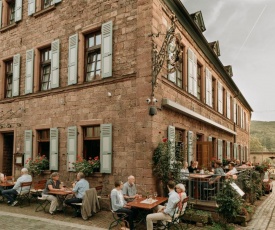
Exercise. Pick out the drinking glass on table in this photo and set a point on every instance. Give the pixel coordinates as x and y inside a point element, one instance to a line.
<point>155,194</point>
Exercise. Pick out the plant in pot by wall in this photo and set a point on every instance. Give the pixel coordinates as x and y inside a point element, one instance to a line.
<point>165,166</point>
<point>86,166</point>
<point>37,165</point>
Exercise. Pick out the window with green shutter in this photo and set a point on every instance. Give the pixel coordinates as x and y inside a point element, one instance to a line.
<point>106,150</point>
<point>27,145</point>
<point>71,147</point>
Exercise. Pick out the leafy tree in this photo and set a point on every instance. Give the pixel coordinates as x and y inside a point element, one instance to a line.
<point>255,144</point>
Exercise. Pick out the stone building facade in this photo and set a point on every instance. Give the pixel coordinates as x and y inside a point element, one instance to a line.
<point>76,79</point>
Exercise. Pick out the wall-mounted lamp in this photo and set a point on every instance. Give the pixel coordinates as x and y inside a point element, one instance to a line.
<point>109,94</point>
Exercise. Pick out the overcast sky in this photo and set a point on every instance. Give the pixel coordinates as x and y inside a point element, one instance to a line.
<point>245,30</point>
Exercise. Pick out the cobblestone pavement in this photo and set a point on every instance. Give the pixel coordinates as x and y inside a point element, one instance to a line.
<point>12,218</point>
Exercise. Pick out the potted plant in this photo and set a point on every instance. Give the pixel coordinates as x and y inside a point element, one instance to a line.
<point>37,165</point>
<point>86,166</point>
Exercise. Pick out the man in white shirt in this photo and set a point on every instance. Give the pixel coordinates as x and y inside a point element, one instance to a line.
<point>11,194</point>
<point>165,212</point>
<point>232,170</point>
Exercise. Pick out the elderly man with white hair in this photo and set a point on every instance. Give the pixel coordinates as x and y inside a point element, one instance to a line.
<point>11,194</point>
<point>129,189</point>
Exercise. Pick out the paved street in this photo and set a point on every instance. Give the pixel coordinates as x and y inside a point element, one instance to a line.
<point>12,218</point>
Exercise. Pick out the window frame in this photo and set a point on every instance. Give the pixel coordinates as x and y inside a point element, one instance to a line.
<point>8,75</point>
<point>96,49</point>
<point>42,66</point>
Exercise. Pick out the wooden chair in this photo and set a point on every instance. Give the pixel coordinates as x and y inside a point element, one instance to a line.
<point>24,193</point>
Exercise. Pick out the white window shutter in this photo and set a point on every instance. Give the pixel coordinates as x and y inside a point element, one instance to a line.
<point>172,139</point>
<point>72,62</point>
<point>190,70</point>
<point>190,146</point>
<point>55,64</point>
<point>107,49</point>
<point>195,77</point>
<point>29,71</point>
<point>31,7</point>
<point>53,149</point>
<point>210,139</point>
<point>1,13</point>
<point>18,10</point>
<point>235,111</point>
<point>228,150</point>
<point>71,147</point>
<point>220,155</point>
<point>16,75</point>
<point>228,105</point>
<point>208,85</point>
<point>27,145</point>
<point>220,98</point>
<point>171,76</point>
<point>235,151</point>
<point>106,148</point>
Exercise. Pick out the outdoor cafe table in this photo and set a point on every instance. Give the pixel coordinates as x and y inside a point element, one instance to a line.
<point>145,208</point>
<point>7,184</point>
<point>198,178</point>
<point>61,195</point>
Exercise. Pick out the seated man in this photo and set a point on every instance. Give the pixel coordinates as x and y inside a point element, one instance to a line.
<point>11,194</point>
<point>2,179</point>
<point>79,189</point>
<point>165,212</point>
<point>129,189</point>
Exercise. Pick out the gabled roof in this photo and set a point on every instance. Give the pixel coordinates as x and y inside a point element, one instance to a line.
<point>229,70</point>
<point>215,47</point>
<point>198,19</point>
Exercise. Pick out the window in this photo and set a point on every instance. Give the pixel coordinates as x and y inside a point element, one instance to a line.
<point>9,75</point>
<point>179,143</point>
<point>199,81</point>
<point>93,56</point>
<point>174,68</point>
<point>45,69</point>
<point>11,11</point>
<point>47,3</point>
<point>43,142</point>
<point>228,105</point>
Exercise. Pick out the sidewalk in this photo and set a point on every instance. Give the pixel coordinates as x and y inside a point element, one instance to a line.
<point>264,217</point>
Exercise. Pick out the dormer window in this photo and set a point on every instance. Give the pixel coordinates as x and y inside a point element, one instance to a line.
<point>198,19</point>
<point>215,47</point>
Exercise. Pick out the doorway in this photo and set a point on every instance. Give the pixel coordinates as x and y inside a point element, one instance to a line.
<point>7,157</point>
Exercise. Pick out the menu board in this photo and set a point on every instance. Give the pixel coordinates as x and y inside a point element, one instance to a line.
<point>237,188</point>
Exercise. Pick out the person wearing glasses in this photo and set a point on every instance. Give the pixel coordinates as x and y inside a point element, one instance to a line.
<point>119,204</point>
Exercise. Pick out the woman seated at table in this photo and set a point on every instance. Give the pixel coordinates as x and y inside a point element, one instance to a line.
<point>53,184</point>
<point>119,204</point>
<point>2,180</point>
<point>180,189</point>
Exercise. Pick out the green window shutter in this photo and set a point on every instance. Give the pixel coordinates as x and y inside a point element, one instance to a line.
<point>16,75</point>
<point>242,155</point>
<point>235,111</point>
<point>72,62</point>
<point>55,64</point>
<point>107,49</point>
<point>195,77</point>
<point>106,148</point>
<point>1,13</point>
<point>235,151</point>
<point>172,140</point>
<point>57,1</point>
<point>18,10</point>
<point>27,145</point>
<point>31,7</point>
<point>190,146</point>
<point>220,149</point>
<point>190,70</point>
<point>71,147</point>
<point>228,150</point>
<point>53,149</point>
<point>29,71</point>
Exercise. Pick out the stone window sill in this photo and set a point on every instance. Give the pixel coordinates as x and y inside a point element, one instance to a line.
<point>8,27</point>
<point>39,13</point>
